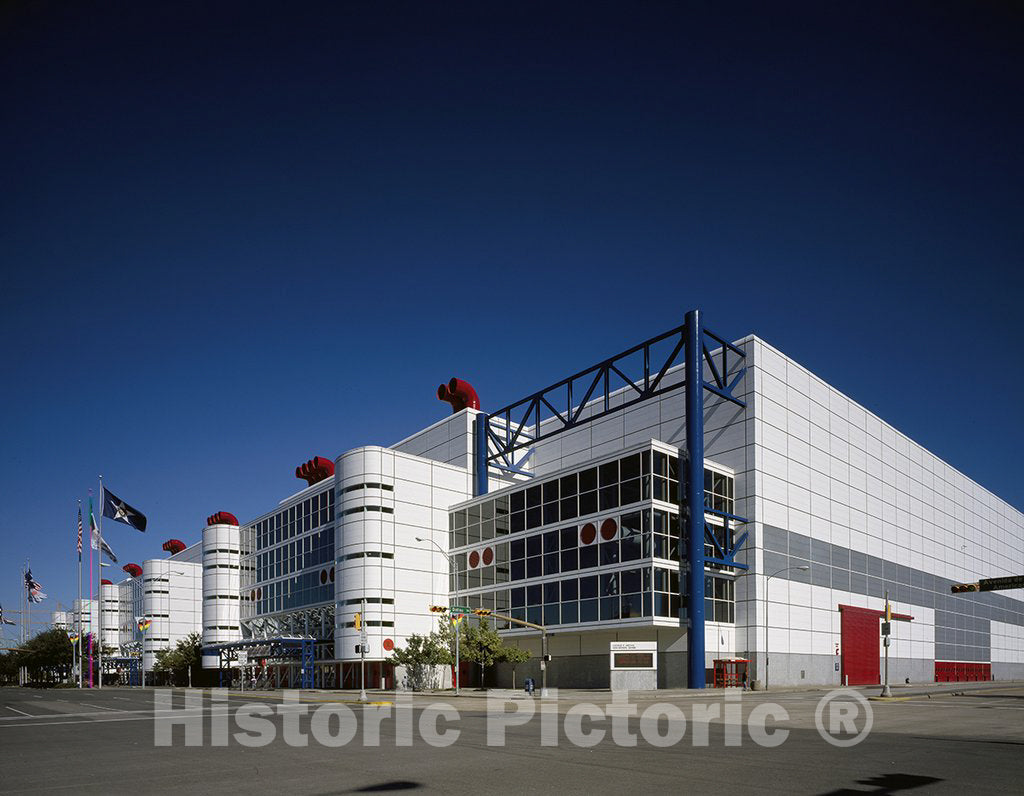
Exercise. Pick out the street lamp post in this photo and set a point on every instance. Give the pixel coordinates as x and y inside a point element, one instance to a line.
<point>803,568</point>
<point>458,674</point>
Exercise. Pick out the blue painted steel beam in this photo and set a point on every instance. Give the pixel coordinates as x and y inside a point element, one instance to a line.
<point>691,509</point>
<point>480,440</point>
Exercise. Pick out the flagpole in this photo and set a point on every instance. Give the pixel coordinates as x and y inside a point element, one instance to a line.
<point>99,524</point>
<point>91,628</point>
<point>78,641</point>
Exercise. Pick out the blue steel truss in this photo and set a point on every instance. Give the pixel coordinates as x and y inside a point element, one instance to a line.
<point>588,395</point>
<point>637,374</point>
<point>280,648</point>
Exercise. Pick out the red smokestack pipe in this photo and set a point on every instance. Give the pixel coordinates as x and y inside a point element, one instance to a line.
<point>132,569</point>
<point>460,394</point>
<point>316,469</point>
<point>222,518</point>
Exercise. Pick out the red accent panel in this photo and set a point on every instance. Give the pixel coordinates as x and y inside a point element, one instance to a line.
<point>588,533</point>
<point>222,518</point>
<point>488,556</point>
<point>859,629</point>
<point>474,559</point>
<point>608,529</point>
<point>896,616</point>
<point>106,582</point>
<point>315,470</point>
<point>132,569</point>
<point>173,546</point>
<point>460,394</point>
<point>962,672</point>
<point>388,645</point>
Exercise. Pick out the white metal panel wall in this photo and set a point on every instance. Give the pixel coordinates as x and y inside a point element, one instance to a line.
<point>221,586</point>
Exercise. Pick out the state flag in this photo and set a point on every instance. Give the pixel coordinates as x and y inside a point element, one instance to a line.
<point>116,509</point>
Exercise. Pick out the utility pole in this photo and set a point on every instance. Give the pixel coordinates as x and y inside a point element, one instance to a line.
<point>887,625</point>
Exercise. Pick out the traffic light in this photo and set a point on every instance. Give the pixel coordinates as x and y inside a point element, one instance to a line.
<point>958,588</point>
<point>359,622</point>
<point>438,609</point>
<point>482,612</point>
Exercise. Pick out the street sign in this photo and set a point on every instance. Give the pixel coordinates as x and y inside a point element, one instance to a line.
<point>460,609</point>
<point>997,584</point>
<point>886,628</point>
<point>243,657</point>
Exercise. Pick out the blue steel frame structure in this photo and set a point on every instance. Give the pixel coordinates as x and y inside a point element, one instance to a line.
<point>499,436</point>
<point>277,648</point>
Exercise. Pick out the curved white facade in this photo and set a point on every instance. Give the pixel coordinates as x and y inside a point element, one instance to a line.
<point>110,615</point>
<point>170,591</point>
<point>385,500</point>
<point>221,586</point>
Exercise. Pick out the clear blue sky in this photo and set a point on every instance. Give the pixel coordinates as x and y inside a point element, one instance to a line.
<point>238,235</point>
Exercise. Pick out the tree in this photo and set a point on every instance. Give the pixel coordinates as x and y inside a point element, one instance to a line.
<point>175,663</point>
<point>420,657</point>
<point>46,655</point>
<point>482,644</point>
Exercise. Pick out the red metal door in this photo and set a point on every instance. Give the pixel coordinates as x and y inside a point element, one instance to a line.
<point>859,629</point>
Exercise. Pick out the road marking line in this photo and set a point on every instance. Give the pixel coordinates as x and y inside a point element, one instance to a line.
<point>100,707</point>
<point>23,713</point>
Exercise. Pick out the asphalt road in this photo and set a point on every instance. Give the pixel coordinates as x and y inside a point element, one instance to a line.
<point>104,741</point>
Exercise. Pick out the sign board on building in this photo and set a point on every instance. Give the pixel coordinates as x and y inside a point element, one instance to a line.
<point>243,657</point>
<point>634,655</point>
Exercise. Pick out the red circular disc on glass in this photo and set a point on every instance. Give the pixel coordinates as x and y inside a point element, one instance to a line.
<point>488,556</point>
<point>323,576</point>
<point>388,644</point>
<point>332,575</point>
<point>588,533</point>
<point>253,595</point>
<point>608,529</point>
<point>474,559</point>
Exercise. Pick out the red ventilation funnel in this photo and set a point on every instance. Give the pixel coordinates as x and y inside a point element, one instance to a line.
<point>132,569</point>
<point>460,394</point>
<point>106,582</point>
<point>173,546</point>
<point>315,470</point>
<point>222,518</point>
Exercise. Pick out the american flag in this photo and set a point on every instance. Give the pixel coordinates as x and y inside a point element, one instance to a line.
<point>79,533</point>
<point>35,590</point>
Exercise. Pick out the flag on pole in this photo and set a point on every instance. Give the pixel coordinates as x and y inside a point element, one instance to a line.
<point>35,591</point>
<point>117,509</point>
<point>3,620</point>
<point>79,531</point>
<point>144,624</point>
<point>94,534</point>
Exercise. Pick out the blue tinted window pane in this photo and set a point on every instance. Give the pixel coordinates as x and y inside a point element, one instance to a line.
<point>551,614</point>
<point>570,612</point>
<point>570,589</point>
<point>609,608</point>
<point>588,611</point>
<point>632,605</point>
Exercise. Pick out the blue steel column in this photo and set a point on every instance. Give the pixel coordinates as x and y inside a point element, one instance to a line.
<point>480,444</point>
<point>691,482</point>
